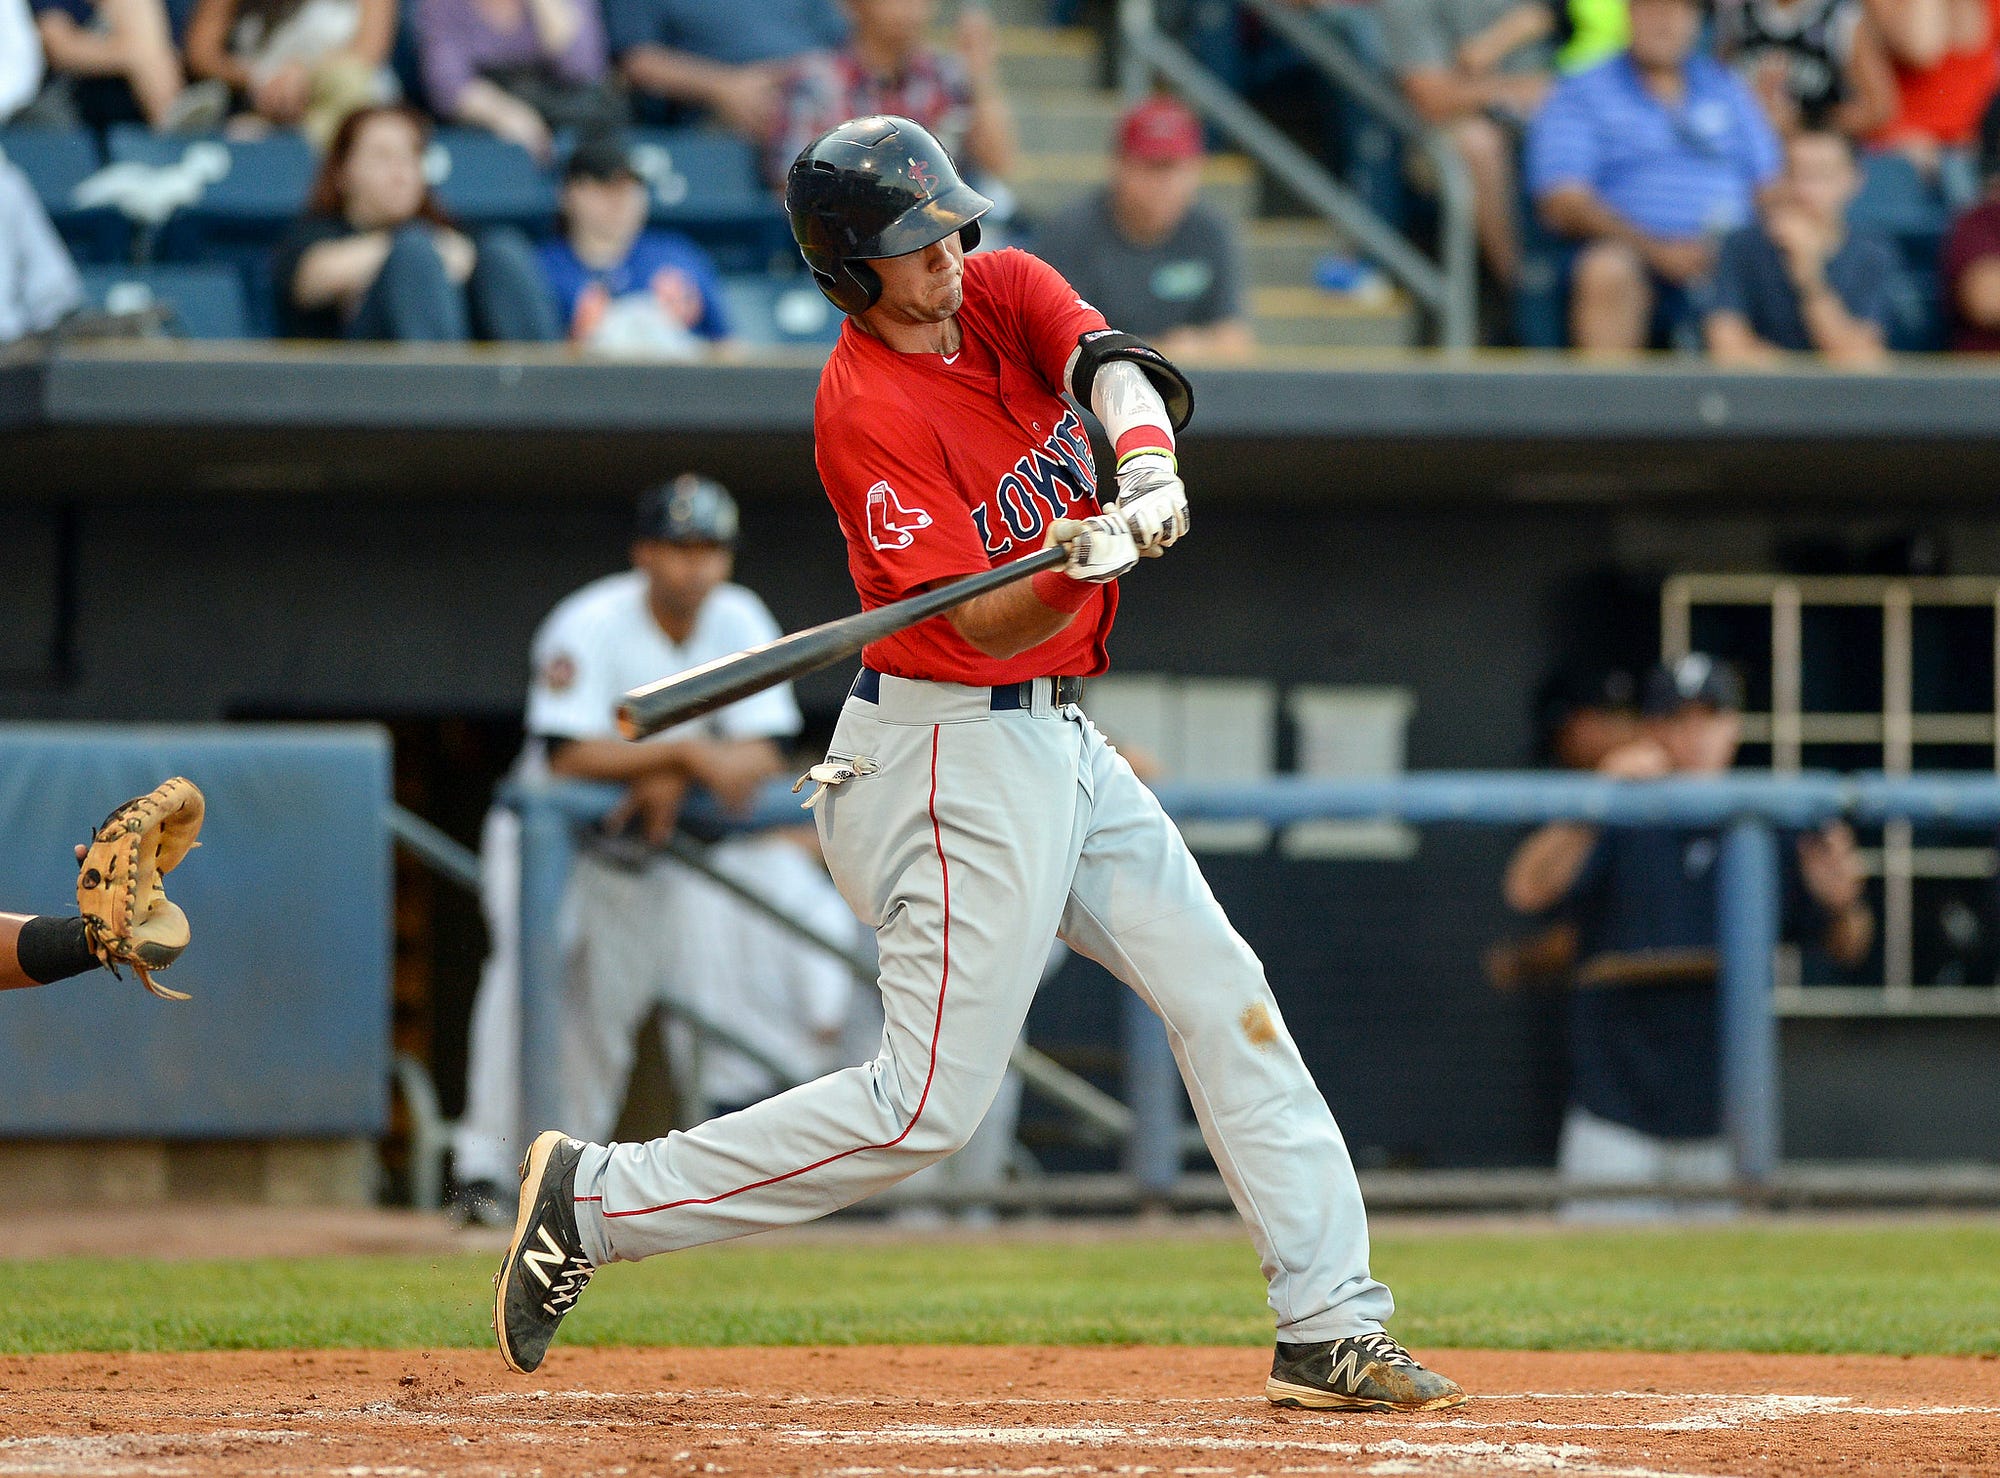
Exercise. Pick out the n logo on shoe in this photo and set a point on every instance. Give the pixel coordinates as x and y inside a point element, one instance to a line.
<point>1346,1372</point>
<point>554,1257</point>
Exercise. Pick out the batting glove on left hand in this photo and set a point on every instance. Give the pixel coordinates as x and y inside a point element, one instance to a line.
<point>1100,547</point>
<point>1152,500</point>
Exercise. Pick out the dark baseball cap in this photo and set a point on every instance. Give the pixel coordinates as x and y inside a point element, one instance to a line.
<point>601,156</point>
<point>1695,678</point>
<point>691,509</point>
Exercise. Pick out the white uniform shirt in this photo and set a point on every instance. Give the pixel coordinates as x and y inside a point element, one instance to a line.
<point>602,641</point>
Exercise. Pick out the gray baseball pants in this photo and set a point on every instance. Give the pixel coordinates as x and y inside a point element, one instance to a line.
<point>976,837</point>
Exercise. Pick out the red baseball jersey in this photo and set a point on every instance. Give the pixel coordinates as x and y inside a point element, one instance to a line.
<point>945,466</point>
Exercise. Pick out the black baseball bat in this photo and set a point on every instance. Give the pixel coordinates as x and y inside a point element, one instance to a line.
<point>718,684</point>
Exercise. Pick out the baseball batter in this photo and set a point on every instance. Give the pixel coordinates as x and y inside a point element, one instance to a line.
<point>971,811</point>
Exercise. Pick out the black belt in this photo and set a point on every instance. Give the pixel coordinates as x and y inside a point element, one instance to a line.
<point>868,688</point>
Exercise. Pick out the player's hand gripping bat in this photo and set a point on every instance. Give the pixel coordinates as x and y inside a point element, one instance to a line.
<point>717,684</point>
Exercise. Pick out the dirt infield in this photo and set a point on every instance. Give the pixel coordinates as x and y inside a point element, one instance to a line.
<point>960,1412</point>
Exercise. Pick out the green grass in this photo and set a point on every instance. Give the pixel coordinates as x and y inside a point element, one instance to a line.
<point>1909,1289</point>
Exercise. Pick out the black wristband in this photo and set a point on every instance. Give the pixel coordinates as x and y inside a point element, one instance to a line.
<point>53,949</point>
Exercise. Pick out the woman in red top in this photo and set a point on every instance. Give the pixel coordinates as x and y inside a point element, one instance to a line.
<point>1946,55</point>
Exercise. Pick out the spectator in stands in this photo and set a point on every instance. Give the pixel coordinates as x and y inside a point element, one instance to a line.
<point>1946,55</point>
<point>38,282</point>
<point>113,61</point>
<point>715,57</point>
<point>1810,62</point>
<point>1645,1094</point>
<point>1149,254</point>
<point>520,68</point>
<point>374,256</point>
<point>301,64</point>
<point>619,287</point>
<point>1478,69</point>
<point>1646,161</point>
<point>1970,265</point>
<point>888,66</point>
<point>1801,279</point>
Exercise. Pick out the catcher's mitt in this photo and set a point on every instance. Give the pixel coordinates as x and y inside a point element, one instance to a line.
<point>126,915</point>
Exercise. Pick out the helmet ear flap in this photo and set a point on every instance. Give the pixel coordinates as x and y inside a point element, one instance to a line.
<point>867,281</point>
<point>852,288</point>
<point>968,235</point>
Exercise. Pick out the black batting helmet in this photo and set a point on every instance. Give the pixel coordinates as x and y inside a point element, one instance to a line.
<point>874,187</point>
<point>691,509</point>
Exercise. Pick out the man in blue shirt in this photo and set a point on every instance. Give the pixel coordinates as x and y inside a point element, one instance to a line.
<point>1647,160</point>
<point>1645,1102</point>
<point>723,58</point>
<point>1800,280</point>
<point>618,287</point>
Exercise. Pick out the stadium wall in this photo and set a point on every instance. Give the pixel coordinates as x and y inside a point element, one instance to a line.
<point>317,556</point>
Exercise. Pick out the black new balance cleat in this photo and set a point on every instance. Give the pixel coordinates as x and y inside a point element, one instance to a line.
<point>1364,1372</point>
<point>545,1268</point>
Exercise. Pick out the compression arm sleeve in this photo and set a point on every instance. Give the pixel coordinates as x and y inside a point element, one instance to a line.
<point>1132,412</point>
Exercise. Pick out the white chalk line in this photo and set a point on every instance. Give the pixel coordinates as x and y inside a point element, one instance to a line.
<point>154,1455</point>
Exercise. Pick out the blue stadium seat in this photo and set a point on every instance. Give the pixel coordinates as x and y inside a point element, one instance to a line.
<point>1896,201</point>
<point>207,302</point>
<point>776,311</point>
<point>56,161</point>
<point>485,180</point>
<point>263,183</point>
<point>707,184</point>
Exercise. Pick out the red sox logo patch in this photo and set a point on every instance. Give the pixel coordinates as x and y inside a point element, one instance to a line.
<point>890,524</point>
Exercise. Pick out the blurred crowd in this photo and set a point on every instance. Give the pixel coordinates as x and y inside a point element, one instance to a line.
<point>1737,177</point>
<point>1741,177</point>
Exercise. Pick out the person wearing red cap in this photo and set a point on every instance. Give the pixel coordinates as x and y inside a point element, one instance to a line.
<point>1148,254</point>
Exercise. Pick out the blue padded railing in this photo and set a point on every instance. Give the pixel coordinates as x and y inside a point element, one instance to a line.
<point>1748,808</point>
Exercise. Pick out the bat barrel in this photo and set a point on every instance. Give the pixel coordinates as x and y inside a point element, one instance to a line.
<point>702,690</point>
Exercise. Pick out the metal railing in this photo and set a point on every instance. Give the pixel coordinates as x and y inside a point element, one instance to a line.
<point>1449,287</point>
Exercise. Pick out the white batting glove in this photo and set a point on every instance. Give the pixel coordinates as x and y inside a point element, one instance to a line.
<point>1100,548</point>
<point>1152,501</point>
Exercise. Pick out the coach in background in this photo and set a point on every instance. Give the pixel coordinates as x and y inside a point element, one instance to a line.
<point>1801,280</point>
<point>1645,162</point>
<point>618,287</point>
<point>1145,252</point>
<point>1645,1106</point>
<point>639,928</point>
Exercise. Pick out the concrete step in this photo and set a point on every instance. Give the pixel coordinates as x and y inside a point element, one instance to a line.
<point>1283,253</point>
<point>1048,59</point>
<point>1306,318</point>
<point>1044,183</point>
<point>1065,122</point>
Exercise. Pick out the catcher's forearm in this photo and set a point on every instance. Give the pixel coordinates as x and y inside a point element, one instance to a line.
<point>35,950</point>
